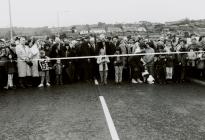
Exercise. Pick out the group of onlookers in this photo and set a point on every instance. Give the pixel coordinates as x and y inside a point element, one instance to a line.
<point>34,62</point>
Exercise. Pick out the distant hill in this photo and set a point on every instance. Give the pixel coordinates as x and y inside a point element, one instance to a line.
<point>184,24</point>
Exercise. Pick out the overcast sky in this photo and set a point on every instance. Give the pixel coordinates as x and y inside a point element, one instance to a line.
<point>33,13</point>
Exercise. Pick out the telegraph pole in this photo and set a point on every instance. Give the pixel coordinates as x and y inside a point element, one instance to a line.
<point>58,22</point>
<point>10,17</point>
<point>59,19</point>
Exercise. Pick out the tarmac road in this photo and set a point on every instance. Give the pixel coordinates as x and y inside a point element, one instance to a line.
<point>70,112</point>
<point>74,112</point>
<point>158,112</point>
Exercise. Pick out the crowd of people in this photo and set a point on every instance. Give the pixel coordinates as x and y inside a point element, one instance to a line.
<point>42,63</point>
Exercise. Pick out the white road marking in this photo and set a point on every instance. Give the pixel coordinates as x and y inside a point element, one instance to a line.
<point>109,120</point>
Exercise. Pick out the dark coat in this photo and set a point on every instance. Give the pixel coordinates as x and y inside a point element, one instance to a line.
<point>136,63</point>
<point>110,47</point>
<point>195,47</point>
<point>3,61</point>
<point>55,52</point>
<point>182,58</point>
<point>85,49</point>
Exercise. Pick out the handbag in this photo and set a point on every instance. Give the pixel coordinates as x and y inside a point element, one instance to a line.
<point>29,63</point>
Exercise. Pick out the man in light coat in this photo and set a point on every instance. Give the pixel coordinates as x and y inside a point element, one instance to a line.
<point>23,62</point>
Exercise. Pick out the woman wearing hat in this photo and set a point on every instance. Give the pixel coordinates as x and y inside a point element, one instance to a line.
<point>34,55</point>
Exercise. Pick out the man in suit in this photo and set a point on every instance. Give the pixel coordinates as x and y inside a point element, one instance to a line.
<point>86,64</point>
<point>95,52</point>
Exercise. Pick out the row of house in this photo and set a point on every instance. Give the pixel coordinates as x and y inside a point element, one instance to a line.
<point>99,30</point>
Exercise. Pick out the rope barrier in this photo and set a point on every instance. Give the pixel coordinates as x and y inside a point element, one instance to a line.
<point>120,55</point>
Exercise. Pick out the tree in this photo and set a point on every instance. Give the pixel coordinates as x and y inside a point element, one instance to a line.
<point>101,24</point>
<point>63,35</point>
<point>106,28</point>
<point>186,21</point>
<point>88,27</point>
<point>45,31</point>
<point>159,28</point>
<point>8,36</point>
<point>73,28</point>
<point>120,26</point>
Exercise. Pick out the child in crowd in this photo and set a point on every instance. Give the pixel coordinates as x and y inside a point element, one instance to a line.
<point>103,67</point>
<point>118,64</point>
<point>169,60</point>
<point>11,70</point>
<point>58,67</point>
<point>44,69</point>
<point>191,56</point>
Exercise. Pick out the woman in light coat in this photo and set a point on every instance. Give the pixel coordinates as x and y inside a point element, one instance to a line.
<point>102,61</point>
<point>34,56</point>
<point>23,62</point>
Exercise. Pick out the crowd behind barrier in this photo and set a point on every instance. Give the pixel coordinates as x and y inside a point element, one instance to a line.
<point>43,63</point>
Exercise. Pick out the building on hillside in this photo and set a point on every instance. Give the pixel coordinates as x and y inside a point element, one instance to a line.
<point>185,27</point>
<point>201,31</point>
<point>114,30</point>
<point>83,32</point>
<point>97,30</point>
<point>40,37</point>
<point>147,23</point>
<point>173,22</point>
<point>130,29</point>
<point>141,29</point>
<point>54,30</point>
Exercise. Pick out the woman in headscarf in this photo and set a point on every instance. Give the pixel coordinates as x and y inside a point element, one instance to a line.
<point>34,55</point>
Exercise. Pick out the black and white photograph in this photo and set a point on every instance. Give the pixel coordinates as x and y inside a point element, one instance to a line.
<point>102,70</point>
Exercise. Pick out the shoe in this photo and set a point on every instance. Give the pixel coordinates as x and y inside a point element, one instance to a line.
<point>139,81</point>
<point>22,86</point>
<point>41,85</point>
<point>96,82</point>
<point>12,87</point>
<point>134,81</point>
<point>48,85</point>
<point>6,87</point>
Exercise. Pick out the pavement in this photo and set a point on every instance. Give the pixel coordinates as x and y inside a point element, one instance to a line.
<point>74,112</point>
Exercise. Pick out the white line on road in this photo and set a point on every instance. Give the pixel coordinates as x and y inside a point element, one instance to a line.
<point>110,123</point>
